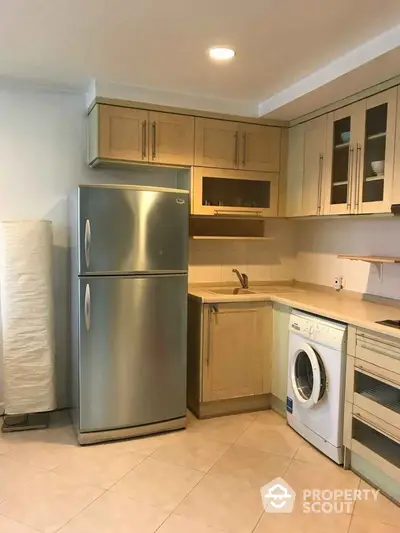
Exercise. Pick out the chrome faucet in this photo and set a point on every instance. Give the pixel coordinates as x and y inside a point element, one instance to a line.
<point>243,278</point>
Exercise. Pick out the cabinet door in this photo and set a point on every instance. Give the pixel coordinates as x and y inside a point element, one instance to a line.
<point>375,155</point>
<point>260,147</point>
<point>171,139</point>
<point>344,130</point>
<point>314,156</point>
<point>123,133</point>
<point>216,143</point>
<point>234,347</point>
<point>234,193</point>
<point>280,351</point>
<point>295,171</point>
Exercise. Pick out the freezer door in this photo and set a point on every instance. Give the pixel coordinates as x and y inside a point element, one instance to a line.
<point>126,230</point>
<point>132,351</point>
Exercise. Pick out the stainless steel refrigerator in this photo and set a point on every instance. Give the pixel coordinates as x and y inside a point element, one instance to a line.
<point>129,248</point>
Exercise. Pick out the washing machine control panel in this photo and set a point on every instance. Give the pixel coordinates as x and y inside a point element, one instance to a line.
<point>318,329</point>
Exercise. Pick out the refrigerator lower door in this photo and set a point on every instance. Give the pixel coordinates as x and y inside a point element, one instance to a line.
<point>132,351</point>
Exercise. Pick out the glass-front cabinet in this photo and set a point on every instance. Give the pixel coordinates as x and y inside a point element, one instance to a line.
<point>360,152</point>
<point>234,193</point>
<point>344,128</point>
<point>375,154</point>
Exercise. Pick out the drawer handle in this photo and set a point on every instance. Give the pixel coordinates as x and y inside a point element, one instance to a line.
<point>374,374</point>
<point>374,425</point>
<point>239,211</point>
<point>375,350</point>
<point>363,336</point>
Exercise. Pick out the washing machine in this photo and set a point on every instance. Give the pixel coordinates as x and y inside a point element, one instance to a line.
<point>316,381</point>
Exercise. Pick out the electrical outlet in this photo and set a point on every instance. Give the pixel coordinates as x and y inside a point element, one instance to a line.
<point>338,283</point>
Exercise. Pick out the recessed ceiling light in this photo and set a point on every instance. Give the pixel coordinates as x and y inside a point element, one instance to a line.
<point>221,53</point>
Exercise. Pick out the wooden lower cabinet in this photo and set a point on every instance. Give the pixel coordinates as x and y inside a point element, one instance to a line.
<point>229,355</point>
<point>279,356</point>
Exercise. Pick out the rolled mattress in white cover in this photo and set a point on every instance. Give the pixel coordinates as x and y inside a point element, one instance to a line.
<point>27,316</point>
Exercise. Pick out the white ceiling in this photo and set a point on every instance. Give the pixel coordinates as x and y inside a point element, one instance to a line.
<point>129,45</point>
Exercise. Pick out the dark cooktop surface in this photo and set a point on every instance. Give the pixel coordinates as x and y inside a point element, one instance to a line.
<point>390,323</point>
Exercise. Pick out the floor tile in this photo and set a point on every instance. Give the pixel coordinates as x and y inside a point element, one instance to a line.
<point>223,428</point>
<point>100,466</point>
<point>309,454</point>
<point>304,523</point>
<point>192,451</point>
<point>114,513</point>
<point>158,483</point>
<point>223,502</point>
<point>180,524</point>
<point>361,524</point>
<point>301,475</point>
<point>10,526</point>
<point>382,510</point>
<point>14,475</point>
<point>253,466</point>
<point>271,418</point>
<point>48,502</point>
<point>277,438</point>
<point>142,445</point>
<point>45,449</point>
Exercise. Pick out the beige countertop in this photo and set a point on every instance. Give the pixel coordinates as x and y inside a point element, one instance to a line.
<point>345,307</point>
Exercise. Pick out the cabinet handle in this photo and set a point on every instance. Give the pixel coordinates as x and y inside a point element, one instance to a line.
<point>374,374</point>
<point>211,311</point>
<point>374,425</point>
<point>144,140</point>
<point>153,130</point>
<point>358,176</point>
<point>321,164</point>
<point>236,149</point>
<point>238,211</point>
<point>244,149</point>
<point>350,176</point>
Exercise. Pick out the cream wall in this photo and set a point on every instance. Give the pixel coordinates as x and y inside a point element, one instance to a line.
<point>42,158</point>
<point>318,242</point>
<point>212,261</point>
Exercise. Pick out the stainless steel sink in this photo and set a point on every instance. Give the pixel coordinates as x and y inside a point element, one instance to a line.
<point>234,291</point>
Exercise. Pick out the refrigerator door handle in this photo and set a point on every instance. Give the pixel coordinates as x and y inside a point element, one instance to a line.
<point>88,241</point>
<point>87,307</point>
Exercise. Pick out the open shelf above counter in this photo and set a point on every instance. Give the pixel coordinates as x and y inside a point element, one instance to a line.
<point>231,237</point>
<point>370,258</point>
<point>212,228</point>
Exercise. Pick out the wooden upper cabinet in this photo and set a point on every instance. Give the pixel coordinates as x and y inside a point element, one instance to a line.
<point>171,138</point>
<point>259,147</point>
<point>216,143</point>
<point>235,344</point>
<point>375,154</point>
<point>122,133</point>
<point>295,172</point>
<point>314,159</point>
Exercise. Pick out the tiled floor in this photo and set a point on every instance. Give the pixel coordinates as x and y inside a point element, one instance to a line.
<point>206,479</point>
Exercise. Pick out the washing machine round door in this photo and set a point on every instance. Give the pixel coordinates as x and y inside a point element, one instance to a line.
<point>308,376</point>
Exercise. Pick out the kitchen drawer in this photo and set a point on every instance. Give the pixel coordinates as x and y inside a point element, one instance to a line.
<point>373,441</point>
<point>377,394</point>
<point>377,422</point>
<point>380,350</point>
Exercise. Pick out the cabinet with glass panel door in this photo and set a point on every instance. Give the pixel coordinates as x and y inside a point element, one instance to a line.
<point>360,150</point>
<point>375,155</point>
<point>234,193</point>
<point>344,131</point>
